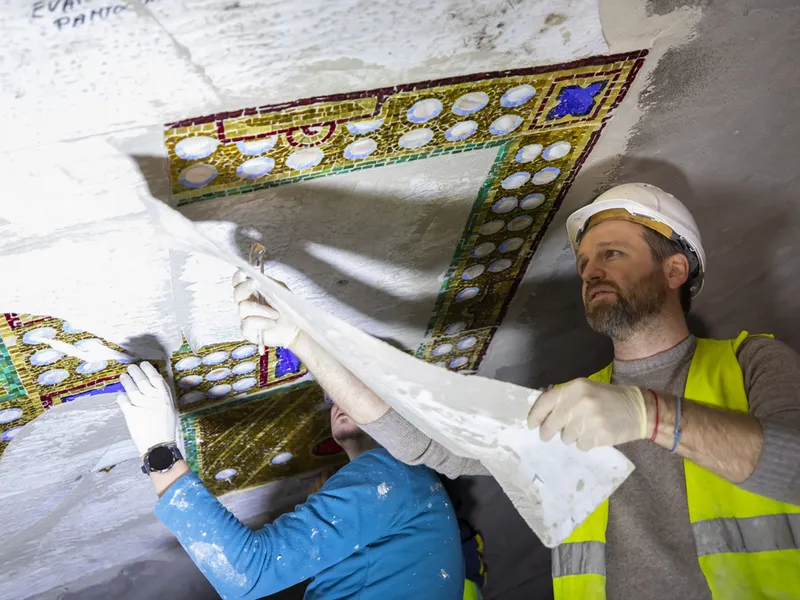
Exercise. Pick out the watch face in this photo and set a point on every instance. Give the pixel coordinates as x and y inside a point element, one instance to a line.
<point>160,458</point>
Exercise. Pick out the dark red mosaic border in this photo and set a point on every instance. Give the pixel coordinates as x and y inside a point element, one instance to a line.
<point>385,92</point>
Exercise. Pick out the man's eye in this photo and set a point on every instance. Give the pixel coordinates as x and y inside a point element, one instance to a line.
<point>613,253</point>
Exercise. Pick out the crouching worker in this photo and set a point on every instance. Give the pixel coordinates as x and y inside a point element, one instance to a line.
<point>377,529</point>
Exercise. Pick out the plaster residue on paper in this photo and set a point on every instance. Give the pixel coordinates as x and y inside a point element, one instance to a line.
<point>466,415</point>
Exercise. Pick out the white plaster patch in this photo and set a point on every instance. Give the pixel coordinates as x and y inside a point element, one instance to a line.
<point>178,500</point>
<point>383,490</point>
<point>211,557</point>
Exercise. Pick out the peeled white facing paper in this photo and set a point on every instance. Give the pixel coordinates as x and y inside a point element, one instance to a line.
<point>553,486</point>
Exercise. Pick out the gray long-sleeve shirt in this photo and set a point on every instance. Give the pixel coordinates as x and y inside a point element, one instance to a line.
<point>650,551</point>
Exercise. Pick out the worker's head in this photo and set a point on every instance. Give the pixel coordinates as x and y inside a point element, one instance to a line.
<point>347,433</point>
<point>639,254</point>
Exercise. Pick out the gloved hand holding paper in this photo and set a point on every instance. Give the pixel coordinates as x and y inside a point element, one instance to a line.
<point>553,486</point>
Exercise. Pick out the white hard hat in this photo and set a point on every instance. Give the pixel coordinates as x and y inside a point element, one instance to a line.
<point>652,207</point>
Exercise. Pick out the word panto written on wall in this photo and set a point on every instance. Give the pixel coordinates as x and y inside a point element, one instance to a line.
<point>68,14</point>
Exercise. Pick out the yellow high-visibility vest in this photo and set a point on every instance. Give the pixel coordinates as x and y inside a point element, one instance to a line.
<point>748,546</point>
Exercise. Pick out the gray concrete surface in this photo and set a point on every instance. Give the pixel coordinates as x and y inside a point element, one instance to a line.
<point>719,128</point>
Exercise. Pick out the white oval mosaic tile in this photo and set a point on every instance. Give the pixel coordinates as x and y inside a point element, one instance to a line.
<point>45,357</point>
<point>307,158</point>
<point>190,381</point>
<point>505,205</point>
<point>455,328</point>
<point>244,351</point>
<point>197,176</point>
<point>10,414</point>
<point>458,362</point>
<point>481,250</point>
<point>520,223</point>
<point>467,294</point>
<point>546,175</point>
<point>243,368</point>
<point>256,147</point>
<point>35,336</point>
<point>472,272</point>
<point>90,367</point>
<point>532,201</point>
<point>505,124</point>
<point>244,384</point>
<point>282,458</point>
<point>416,138</point>
<point>188,363</point>
<point>515,180</point>
<point>219,390</point>
<point>192,148</point>
<point>215,358</point>
<point>226,474</point>
<point>255,168</point>
<point>360,149</point>
<point>556,151</point>
<point>467,343</point>
<point>517,96</point>
<point>511,244</point>
<point>362,127</point>
<point>461,131</point>
<point>500,265</point>
<point>217,374</point>
<point>528,153</point>
<point>470,103</point>
<point>442,349</point>
<point>492,227</point>
<point>53,377</point>
<point>424,110</point>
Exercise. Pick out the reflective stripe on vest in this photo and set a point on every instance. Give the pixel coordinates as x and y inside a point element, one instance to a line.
<point>579,558</point>
<point>755,534</point>
<point>748,546</point>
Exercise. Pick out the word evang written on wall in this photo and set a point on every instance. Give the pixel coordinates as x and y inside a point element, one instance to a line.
<point>67,14</point>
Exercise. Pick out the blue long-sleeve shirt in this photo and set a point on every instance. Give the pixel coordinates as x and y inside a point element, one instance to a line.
<point>378,529</point>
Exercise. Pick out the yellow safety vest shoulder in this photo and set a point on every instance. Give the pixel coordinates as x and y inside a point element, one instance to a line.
<point>748,546</point>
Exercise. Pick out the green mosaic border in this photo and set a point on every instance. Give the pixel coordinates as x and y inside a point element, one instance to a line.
<point>9,378</point>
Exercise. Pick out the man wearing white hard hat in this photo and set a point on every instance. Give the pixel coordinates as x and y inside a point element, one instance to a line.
<point>712,510</point>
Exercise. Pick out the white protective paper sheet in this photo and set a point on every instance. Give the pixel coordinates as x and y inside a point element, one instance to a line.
<point>553,486</point>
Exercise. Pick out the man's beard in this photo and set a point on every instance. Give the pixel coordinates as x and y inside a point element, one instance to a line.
<point>630,312</point>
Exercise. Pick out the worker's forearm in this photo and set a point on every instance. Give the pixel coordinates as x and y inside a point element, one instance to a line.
<point>725,442</point>
<point>351,395</point>
<point>162,481</point>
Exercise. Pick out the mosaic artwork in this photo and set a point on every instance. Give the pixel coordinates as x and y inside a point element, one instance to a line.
<point>256,440</point>
<point>35,377</point>
<point>221,371</point>
<point>226,395</point>
<point>250,419</point>
<point>543,122</point>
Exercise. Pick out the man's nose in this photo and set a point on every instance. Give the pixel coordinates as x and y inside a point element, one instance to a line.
<point>593,271</point>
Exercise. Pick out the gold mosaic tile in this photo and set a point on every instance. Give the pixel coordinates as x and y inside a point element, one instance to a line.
<point>253,441</point>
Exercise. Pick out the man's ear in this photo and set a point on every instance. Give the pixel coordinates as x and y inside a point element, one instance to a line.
<point>676,270</point>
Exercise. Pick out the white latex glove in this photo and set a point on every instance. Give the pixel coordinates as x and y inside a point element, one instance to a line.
<point>590,414</point>
<point>147,406</point>
<point>257,315</point>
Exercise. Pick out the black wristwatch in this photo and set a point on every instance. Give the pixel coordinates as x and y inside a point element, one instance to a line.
<point>161,458</point>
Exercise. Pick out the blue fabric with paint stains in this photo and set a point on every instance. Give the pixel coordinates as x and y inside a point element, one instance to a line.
<point>378,529</point>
